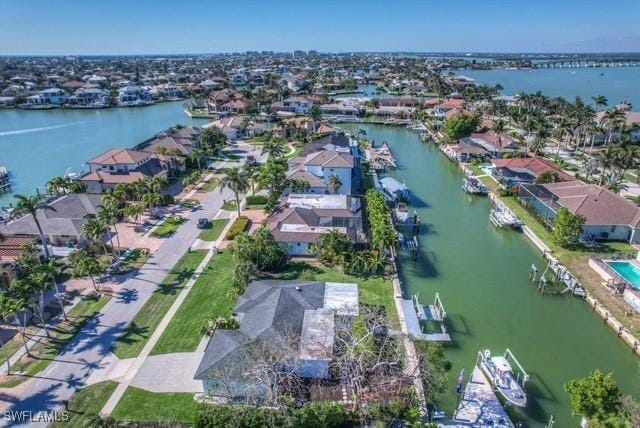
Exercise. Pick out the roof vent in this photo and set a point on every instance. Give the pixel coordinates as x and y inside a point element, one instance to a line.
<point>298,288</point>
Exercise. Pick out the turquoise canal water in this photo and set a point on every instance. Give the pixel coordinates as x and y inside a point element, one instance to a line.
<point>482,274</point>
<point>617,84</point>
<point>38,145</point>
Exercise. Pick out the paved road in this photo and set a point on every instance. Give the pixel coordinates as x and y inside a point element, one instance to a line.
<point>48,391</point>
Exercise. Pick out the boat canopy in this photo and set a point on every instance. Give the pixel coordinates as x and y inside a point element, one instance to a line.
<point>502,364</point>
<point>392,185</point>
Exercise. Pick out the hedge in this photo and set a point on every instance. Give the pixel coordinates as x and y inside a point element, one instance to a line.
<point>257,200</point>
<point>240,225</point>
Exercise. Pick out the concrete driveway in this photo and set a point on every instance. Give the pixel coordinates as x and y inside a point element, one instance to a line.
<point>49,390</point>
<point>170,373</point>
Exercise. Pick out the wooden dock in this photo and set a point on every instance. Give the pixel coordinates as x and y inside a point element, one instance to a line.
<point>479,406</point>
<point>5,183</point>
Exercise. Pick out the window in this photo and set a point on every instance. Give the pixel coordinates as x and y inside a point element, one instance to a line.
<point>613,229</point>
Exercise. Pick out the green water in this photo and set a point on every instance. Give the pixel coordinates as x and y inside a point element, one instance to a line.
<point>38,145</point>
<point>482,276</point>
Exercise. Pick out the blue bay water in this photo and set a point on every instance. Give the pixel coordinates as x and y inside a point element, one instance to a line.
<point>617,84</point>
<point>38,145</point>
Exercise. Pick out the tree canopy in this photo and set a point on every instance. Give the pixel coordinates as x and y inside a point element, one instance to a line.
<point>567,228</point>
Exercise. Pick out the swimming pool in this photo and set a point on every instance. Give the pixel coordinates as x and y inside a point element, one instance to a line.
<point>628,271</point>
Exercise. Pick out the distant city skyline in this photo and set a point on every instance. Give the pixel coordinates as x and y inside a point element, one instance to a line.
<point>162,27</point>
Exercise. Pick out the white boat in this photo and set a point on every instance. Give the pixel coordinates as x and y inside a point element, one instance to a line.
<point>402,212</point>
<point>501,375</point>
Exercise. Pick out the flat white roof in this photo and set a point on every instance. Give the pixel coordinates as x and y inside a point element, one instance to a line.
<point>304,228</point>
<point>316,338</point>
<point>327,202</point>
<point>342,298</point>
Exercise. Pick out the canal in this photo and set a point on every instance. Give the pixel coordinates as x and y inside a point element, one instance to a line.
<point>36,146</point>
<point>481,275</point>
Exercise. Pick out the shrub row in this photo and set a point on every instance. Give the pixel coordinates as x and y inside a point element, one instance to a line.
<point>240,225</point>
<point>257,200</point>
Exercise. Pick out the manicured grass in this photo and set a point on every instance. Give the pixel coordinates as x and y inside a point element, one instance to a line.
<point>44,352</point>
<point>190,203</point>
<point>135,260</point>
<point>229,206</point>
<point>209,186</point>
<point>147,319</point>
<point>169,227</point>
<point>86,404</point>
<point>138,405</point>
<point>213,232</point>
<point>376,290</point>
<point>296,152</point>
<point>208,298</point>
<point>255,207</point>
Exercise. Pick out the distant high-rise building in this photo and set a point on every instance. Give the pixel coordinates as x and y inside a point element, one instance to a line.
<point>312,53</point>
<point>299,53</point>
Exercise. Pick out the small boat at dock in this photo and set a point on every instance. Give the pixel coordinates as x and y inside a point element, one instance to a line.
<point>502,217</point>
<point>401,212</point>
<point>500,373</point>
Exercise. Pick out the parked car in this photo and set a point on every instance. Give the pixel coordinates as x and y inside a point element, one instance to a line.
<point>203,223</point>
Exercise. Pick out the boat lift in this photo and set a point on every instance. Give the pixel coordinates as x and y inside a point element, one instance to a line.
<point>522,377</point>
<point>416,316</point>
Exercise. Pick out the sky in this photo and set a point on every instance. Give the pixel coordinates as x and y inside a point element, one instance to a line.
<point>117,27</point>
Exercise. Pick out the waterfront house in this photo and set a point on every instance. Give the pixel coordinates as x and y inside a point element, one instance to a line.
<point>344,107</point>
<point>495,143</point>
<point>133,94</point>
<point>608,217</point>
<point>441,110</point>
<point>235,106</point>
<point>337,142</point>
<point>301,218</point>
<point>317,168</point>
<point>88,96</point>
<point>511,173</point>
<point>62,225</point>
<point>235,127</point>
<point>294,320</point>
<point>118,166</point>
<point>238,79</point>
<point>50,96</point>
<point>174,142</point>
<point>297,104</point>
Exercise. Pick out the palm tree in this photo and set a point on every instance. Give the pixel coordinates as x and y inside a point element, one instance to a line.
<point>134,211</point>
<point>30,205</point>
<point>11,305</point>
<point>252,173</point>
<point>274,149</point>
<point>57,186</point>
<point>51,270</point>
<point>238,183</point>
<point>7,309</point>
<point>110,214</point>
<point>599,101</point>
<point>39,283</point>
<point>95,229</point>
<point>334,183</point>
<point>196,156</point>
<point>542,133</point>
<point>151,200</point>
<point>87,266</point>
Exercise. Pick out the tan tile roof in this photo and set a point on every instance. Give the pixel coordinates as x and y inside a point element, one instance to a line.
<point>120,156</point>
<point>329,159</point>
<point>599,206</point>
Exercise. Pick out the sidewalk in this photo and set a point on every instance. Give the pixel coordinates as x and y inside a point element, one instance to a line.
<point>39,335</point>
<point>138,363</point>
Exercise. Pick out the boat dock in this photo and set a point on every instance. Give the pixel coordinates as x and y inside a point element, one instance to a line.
<point>416,315</point>
<point>5,183</point>
<point>479,406</point>
<point>474,186</point>
<point>501,215</point>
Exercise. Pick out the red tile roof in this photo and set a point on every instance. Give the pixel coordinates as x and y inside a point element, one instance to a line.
<point>536,166</point>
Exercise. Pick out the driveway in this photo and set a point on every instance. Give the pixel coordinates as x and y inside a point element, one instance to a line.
<point>48,391</point>
<point>177,371</point>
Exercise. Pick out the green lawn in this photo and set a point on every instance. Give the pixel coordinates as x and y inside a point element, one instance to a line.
<point>86,404</point>
<point>213,232</point>
<point>169,227</point>
<point>296,152</point>
<point>229,205</point>
<point>135,260</point>
<point>207,299</point>
<point>372,290</point>
<point>44,353</point>
<point>209,186</point>
<point>145,322</point>
<point>138,405</point>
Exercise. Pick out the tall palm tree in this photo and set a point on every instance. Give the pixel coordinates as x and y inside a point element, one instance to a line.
<point>110,214</point>
<point>51,270</point>
<point>252,172</point>
<point>196,156</point>
<point>30,205</point>
<point>599,101</point>
<point>134,211</point>
<point>274,149</point>
<point>87,266</point>
<point>237,181</point>
<point>95,230</point>
<point>10,306</point>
